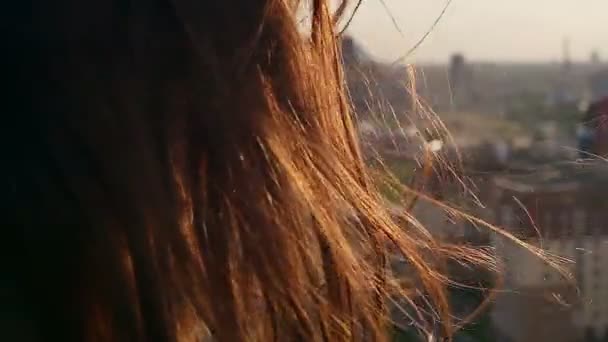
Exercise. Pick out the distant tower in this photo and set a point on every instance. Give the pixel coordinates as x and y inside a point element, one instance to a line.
<point>460,79</point>
<point>564,91</point>
<point>595,57</point>
<point>457,70</point>
<point>566,59</point>
<point>349,50</point>
<point>352,51</point>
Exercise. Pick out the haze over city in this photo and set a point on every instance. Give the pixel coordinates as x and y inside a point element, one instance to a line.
<point>484,30</point>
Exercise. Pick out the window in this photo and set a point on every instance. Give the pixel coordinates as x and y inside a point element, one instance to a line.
<point>565,225</point>
<point>579,221</point>
<point>547,224</point>
<point>590,334</point>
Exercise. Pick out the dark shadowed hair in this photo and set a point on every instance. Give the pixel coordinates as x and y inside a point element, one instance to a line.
<point>182,169</point>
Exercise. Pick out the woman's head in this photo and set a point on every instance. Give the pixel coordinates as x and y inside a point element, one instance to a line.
<point>189,168</point>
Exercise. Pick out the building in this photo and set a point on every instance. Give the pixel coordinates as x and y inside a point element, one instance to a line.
<point>377,90</point>
<point>564,210</point>
<point>596,123</point>
<point>598,84</point>
<point>353,52</point>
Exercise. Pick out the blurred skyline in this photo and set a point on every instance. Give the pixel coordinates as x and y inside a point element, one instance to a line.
<point>484,30</point>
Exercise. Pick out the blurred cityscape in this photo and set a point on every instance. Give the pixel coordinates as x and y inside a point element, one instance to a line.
<point>525,147</point>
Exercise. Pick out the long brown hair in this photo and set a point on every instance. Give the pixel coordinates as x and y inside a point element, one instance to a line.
<point>190,168</point>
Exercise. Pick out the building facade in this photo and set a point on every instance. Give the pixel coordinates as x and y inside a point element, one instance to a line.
<point>562,210</point>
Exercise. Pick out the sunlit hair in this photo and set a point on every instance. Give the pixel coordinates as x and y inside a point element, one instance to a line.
<point>188,169</point>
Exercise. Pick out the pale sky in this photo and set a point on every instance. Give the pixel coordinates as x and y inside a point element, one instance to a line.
<point>488,30</point>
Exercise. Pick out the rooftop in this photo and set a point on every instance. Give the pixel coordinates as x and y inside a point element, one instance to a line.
<point>557,177</point>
